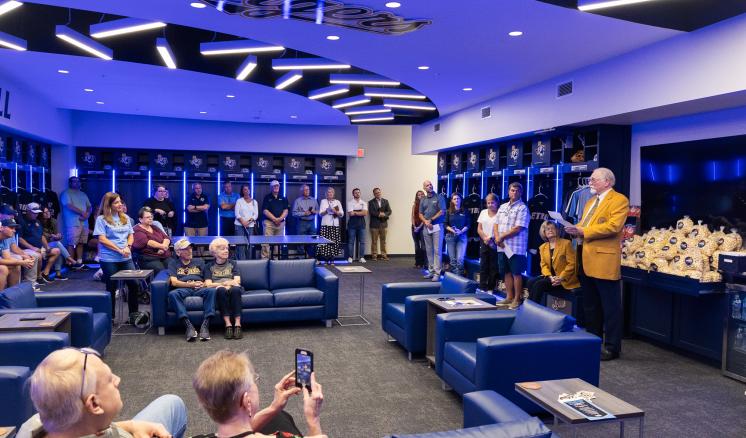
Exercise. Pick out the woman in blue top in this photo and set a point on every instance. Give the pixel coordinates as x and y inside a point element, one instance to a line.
<point>115,236</point>
<point>457,223</point>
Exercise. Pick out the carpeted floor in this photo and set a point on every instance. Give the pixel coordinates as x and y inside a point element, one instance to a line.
<point>372,390</point>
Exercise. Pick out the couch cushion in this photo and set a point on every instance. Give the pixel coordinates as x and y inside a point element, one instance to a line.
<point>20,296</point>
<point>101,323</point>
<point>456,284</point>
<point>285,274</point>
<point>531,428</point>
<point>254,274</point>
<point>395,312</point>
<point>462,356</point>
<point>533,318</point>
<point>298,296</point>
<point>257,299</point>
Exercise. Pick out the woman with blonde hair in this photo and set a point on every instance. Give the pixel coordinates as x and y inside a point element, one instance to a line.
<point>557,265</point>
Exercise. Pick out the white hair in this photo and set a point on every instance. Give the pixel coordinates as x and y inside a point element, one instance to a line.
<point>606,174</point>
<point>218,241</point>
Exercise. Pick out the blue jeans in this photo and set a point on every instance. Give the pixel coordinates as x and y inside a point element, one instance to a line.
<point>133,287</point>
<point>242,251</point>
<point>307,228</point>
<point>177,296</point>
<point>353,233</point>
<point>456,246</point>
<point>168,410</point>
<point>64,254</point>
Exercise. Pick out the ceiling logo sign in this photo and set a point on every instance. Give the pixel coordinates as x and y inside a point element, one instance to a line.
<point>5,104</point>
<point>329,12</point>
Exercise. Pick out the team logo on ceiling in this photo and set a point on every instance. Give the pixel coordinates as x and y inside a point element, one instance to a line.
<point>329,12</point>
<point>263,162</point>
<point>229,162</point>
<point>196,162</point>
<point>326,164</point>
<point>161,160</point>
<point>295,163</point>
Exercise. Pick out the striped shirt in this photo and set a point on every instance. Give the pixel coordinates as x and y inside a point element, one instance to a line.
<point>515,215</point>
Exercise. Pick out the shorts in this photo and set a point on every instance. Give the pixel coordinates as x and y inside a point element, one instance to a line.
<point>515,265</point>
<point>76,235</point>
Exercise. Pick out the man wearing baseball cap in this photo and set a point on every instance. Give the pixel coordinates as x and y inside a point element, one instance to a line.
<point>275,209</point>
<point>31,239</point>
<point>13,258</point>
<point>187,277</point>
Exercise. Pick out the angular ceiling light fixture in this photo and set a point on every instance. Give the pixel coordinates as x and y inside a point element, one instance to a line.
<point>9,5</point>
<point>372,119</point>
<point>393,92</point>
<point>123,26</point>
<point>592,5</point>
<point>83,42</point>
<point>236,47</point>
<point>12,42</point>
<point>361,79</point>
<point>423,106</point>
<point>285,64</point>
<point>247,66</point>
<point>371,109</point>
<point>350,101</point>
<point>288,79</point>
<point>164,49</point>
<point>333,90</point>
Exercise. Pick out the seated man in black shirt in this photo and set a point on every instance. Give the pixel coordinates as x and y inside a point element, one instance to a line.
<point>222,274</point>
<point>187,276</point>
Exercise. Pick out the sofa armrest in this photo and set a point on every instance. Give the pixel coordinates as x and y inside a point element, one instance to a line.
<point>398,292</point>
<point>29,348</point>
<point>81,322</point>
<point>534,357</point>
<point>468,327</point>
<point>99,301</point>
<point>159,288</point>
<point>489,407</point>
<point>328,283</point>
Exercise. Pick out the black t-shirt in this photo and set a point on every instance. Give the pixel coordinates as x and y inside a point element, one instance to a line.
<point>538,206</point>
<point>197,219</point>
<point>275,205</point>
<point>32,232</point>
<point>221,273</point>
<point>473,204</point>
<point>195,270</point>
<point>165,205</point>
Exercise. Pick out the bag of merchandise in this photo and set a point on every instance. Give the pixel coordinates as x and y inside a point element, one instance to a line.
<point>690,261</point>
<point>628,260</point>
<point>642,259</point>
<point>666,252</point>
<point>659,264</point>
<point>684,225</point>
<point>706,246</point>
<point>730,242</point>
<point>711,277</point>
<point>699,231</point>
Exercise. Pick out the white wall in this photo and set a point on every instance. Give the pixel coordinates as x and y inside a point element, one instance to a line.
<point>713,124</point>
<point>390,165</point>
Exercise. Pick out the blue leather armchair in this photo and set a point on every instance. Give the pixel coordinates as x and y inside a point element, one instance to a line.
<point>90,312</point>
<point>496,349</point>
<point>276,290</point>
<point>487,414</point>
<point>20,354</point>
<point>404,307</point>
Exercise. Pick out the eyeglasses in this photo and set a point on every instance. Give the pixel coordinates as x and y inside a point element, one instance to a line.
<point>86,351</point>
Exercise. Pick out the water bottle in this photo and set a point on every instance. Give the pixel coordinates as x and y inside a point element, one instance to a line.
<point>738,343</point>
<point>736,310</point>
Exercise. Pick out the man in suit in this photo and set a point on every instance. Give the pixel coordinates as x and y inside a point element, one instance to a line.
<point>379,211</point>
<point>599,260</point>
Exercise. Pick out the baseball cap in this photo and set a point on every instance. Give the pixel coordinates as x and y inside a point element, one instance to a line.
<point>10,223</point>
<point>33,207</point>
<point>182,244</point>
<point>274,183</point>
<point>7,210</point>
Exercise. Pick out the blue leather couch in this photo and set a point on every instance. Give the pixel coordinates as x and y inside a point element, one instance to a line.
<point>20,354</point>
<point>404,307</point>
<point>276,290</point>
<point>487,414</point>
<point>495,349</point>
<point>90,312</point>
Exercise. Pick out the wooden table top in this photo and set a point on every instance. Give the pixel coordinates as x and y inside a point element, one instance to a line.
<point>32,320</point>
<point>550,390</point>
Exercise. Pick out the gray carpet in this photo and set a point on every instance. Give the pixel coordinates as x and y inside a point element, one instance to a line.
<point>371,390</point>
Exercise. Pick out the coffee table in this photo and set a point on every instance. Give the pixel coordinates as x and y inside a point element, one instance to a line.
<point>547,396</point>
<point>36,321</point>
<point>446,304</point>
<point>120,277</point>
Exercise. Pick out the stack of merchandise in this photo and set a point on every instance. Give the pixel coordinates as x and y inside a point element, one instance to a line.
<point>687,250</point>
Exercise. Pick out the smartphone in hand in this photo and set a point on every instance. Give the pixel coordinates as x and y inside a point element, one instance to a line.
<point>303,368</point>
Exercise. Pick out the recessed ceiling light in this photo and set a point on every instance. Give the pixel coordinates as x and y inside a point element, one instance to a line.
<point>467,89</point>
<point>293,116</point>
<point>591,5</point>
<point>123,26</point>
<point>167,55</point>
<point>100,102</point>
<point>515,33</point>
<point>203,112</point>
<point>12,42</point>
<point>393,5</point>
<point>198,5</point>
<point>64,72</point>
<point>230,96</point>
<point>424,67</point>
<point>8,6</point>
<point>332,37</point>
<point>88,90</point>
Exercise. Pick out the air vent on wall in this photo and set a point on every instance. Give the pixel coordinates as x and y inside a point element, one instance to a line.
<point>436,128</point>
<point>564,89</point>
<point>486,111</point>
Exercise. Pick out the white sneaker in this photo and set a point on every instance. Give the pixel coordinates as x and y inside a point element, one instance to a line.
<point>349,259</point>
<point>116,294</point>
<point>362,259</point>
<point>98,274</point>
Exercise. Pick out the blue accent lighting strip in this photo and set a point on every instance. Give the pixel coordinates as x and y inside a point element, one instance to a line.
<point>150,185</point>
<point>183,199</point>
<point>218,202</point>
<point>113,180</point>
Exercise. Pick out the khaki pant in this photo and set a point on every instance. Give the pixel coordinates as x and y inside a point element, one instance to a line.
<point>29,274</point>
<point>377,234</point>
<point>270,229</point>
<point>189,231</point>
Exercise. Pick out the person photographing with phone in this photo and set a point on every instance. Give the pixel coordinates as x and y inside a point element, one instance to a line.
<point>226,387</point>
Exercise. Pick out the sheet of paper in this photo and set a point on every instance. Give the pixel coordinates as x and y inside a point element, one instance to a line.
<point>558,217</point>
<point>508,251</point>
<point>435,228</point>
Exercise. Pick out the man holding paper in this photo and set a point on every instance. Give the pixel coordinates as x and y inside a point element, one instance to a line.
<point>599,260</point>
<point>511,237</point>
<point>432,214</point>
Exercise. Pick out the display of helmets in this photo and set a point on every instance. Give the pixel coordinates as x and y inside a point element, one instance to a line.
<point>685,225</point>
<point>699,231</point>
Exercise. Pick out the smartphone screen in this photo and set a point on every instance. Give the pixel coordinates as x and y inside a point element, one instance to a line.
<point>303,368</point>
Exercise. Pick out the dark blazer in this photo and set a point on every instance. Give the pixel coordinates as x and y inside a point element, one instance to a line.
<point>373,211</point>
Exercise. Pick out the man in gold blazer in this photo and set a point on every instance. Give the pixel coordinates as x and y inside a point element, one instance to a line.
<point>599,260</point>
